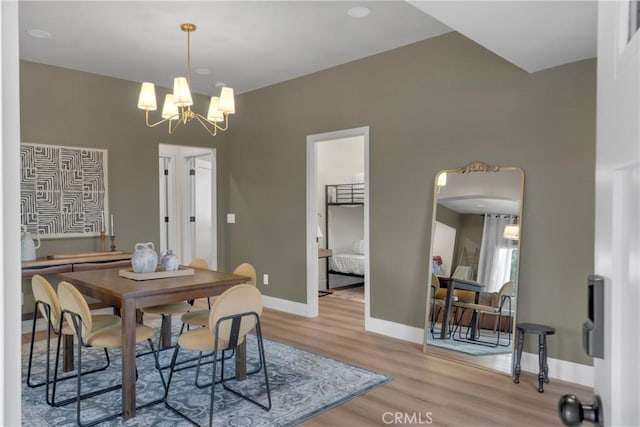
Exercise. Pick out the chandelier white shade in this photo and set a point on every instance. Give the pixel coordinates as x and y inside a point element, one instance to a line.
<point>176,109</point>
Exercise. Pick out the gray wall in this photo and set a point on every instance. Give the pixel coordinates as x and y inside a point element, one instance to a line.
<point>437,104</point>
<point>64,107</point>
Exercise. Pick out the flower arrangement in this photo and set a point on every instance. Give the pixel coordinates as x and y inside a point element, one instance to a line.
<point>436,262</point>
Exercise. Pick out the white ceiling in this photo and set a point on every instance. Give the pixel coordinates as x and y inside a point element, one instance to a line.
<point>249,45</point>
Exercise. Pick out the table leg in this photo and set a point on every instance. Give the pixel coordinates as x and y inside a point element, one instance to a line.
<point>541,363</point>
<point>519,346</point>
<point>241,361</point>
<point>128,359</point>
<point>475,326</point>
<point>447,311</point>
<point>165,331</point>
<point>67,353</point>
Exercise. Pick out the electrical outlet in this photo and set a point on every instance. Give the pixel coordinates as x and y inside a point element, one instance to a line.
<point>265,279</point>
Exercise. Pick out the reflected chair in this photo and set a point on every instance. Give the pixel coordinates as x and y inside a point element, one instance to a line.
<point>48,305</point>
<point>438,296</point>
<point>77,314</point>
<point>234,314</point>
<point>201,317</point>
<point>505,308</point>
<point>167,310</point>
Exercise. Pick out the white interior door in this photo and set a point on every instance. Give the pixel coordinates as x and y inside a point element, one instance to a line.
<point>202,247</point>
<point>617,234</point>
<point>187,183</point>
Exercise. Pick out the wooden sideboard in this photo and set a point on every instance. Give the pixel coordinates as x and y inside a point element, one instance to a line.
<point>50,268</point>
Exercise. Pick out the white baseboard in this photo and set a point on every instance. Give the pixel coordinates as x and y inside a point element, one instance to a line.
<point>394,330</point>
<point>285,305</point>
<point>563,370</point>
<point>559,369</point>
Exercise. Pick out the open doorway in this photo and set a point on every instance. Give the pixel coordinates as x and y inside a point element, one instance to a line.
<point>187,178</point>
<point>337,215</point>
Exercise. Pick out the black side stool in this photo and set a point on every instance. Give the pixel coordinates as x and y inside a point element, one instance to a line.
<point>542,331</point>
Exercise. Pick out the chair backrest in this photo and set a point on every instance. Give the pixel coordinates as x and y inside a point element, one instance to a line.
<point>72,300</point>
<point>439,293</point>
<point>236,300</point>
<point>43,291</point>
<point>246,269</point>
<point>508,289</point>
<point>199,263</point>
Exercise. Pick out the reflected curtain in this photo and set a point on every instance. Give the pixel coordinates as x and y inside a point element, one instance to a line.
<point>494,267</point>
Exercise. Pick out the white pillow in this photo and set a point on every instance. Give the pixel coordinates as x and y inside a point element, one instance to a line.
<point>358,247</point>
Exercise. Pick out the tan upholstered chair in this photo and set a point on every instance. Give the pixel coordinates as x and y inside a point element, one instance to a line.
<point>234,314</point>
<point>78,316</point>
<point>201,317</point>
<point>505,308</point>
<point>48,305</point>
<point>438,296</point>
<point>167,310</point>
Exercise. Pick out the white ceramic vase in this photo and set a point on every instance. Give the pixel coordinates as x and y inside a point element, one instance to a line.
<point>144,258</point>
<point>169,261</point>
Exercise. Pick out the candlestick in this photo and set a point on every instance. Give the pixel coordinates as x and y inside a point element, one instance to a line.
<point>102,234</point>
<point>113,243</point>
<point>112,231</point>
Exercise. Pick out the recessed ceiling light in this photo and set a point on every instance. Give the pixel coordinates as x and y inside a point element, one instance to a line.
<point>359,12</point>
<point>220,84</point>
<point>203,71</point>
<point>39,34</point>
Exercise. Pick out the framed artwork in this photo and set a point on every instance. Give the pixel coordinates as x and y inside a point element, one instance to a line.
<point>63,190</point>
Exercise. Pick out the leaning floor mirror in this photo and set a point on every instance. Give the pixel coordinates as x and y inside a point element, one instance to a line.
<point>473,265</point>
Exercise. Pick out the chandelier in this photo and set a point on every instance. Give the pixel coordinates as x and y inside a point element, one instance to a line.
<point>176,109</point>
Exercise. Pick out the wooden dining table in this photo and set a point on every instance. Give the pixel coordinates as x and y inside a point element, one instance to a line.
<point>452,284</point>
<point>129,295</point>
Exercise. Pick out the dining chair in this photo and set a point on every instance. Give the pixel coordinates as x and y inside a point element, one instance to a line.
<point>234,314</point>
<point>167,310</point>
<point>201,317</point>
<point>77,314</point>
<point>505,308</point>
<point>48,305</point>
<point>438,296</point>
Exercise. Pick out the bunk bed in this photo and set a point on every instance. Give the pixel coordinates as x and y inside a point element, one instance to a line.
<point>346,262</point>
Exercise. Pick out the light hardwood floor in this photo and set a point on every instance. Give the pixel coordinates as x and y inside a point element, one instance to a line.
<point>425,387</point>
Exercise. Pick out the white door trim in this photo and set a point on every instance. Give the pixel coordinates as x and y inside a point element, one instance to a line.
<point>312,216</point>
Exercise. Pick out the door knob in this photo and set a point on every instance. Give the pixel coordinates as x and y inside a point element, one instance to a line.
<point>573,413</point>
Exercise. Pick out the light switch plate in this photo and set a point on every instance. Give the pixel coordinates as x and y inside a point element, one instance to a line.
<point>231,218</point>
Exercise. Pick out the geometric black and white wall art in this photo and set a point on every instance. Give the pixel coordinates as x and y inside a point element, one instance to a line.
<point>63,190</point>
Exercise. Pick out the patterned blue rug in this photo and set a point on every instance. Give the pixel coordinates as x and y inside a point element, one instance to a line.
<point>302,385</point>
<point>469,347</point>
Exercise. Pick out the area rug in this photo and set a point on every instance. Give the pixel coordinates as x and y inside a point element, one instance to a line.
<point>473,349</point>
<point>302,385</point>
<point>352,294</point>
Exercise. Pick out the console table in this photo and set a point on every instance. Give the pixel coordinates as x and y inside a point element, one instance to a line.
<point>51,266</point>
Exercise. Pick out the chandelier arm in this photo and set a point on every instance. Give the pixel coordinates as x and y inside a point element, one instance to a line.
<point>214,124</point>
<point>174,126</point>
<point>152,125</point>
<point>206,124</point>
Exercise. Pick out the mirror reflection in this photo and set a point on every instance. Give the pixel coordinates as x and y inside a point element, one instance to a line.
<point>472,300</point>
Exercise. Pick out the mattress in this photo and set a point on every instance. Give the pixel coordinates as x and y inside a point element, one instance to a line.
<point>347,263</point>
